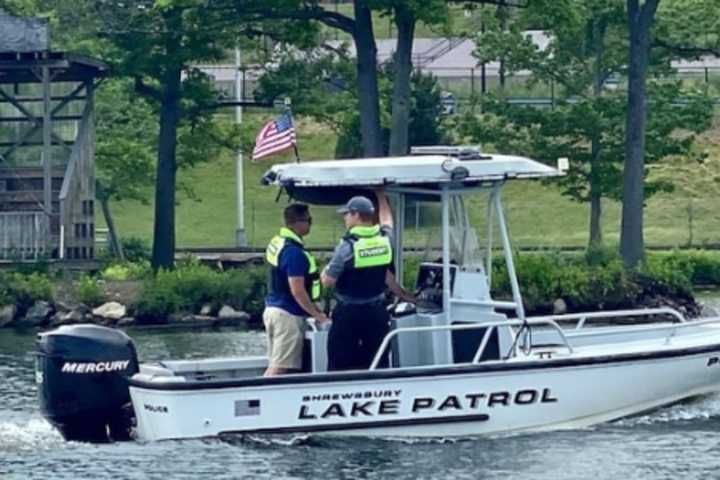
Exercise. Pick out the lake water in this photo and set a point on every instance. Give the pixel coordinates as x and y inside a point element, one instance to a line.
<point>682,441</point>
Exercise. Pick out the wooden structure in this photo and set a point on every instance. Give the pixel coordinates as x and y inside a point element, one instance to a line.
<point>47,150</point>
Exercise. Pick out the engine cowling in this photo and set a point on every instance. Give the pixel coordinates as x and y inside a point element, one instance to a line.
<point>82,373</point>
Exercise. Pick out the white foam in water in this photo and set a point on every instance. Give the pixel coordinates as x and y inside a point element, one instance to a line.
<point>269,439</point>
<point>35,433</point>
<point>702,408</point>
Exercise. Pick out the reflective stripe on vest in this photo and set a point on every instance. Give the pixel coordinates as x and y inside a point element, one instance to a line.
<point>371,249</point>
<point>314,277</point>
<point>275,248</point>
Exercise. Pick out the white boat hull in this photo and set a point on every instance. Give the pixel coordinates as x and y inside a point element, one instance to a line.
<point>516,396</point>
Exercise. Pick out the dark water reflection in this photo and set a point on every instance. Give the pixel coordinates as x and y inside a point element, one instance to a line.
<point>682,441</point>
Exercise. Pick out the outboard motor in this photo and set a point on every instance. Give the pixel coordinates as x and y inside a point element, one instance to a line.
<point>82,373</point>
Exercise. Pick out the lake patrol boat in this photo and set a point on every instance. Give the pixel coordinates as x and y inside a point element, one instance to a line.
<point>461,363</point>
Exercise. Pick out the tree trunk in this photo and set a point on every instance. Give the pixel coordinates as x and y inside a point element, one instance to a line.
<point>368,95</point>
<point>405,23</point>
<point>163,254</point>
<point>502,15</point>
<point>595,199</point>
<point>631,234</point>
<point>599,29</point>
<point>115,243</point>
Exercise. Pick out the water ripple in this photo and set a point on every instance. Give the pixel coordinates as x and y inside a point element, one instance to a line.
<point>701,408</point>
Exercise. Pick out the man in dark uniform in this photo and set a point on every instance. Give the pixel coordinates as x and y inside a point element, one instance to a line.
<point>360,271</point>
<point>294,286</point>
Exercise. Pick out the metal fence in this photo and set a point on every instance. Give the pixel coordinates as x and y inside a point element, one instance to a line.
<point>463,85</point>
<point>466,84</point>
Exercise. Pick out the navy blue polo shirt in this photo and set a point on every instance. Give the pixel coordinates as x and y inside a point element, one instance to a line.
<point>292,263</point>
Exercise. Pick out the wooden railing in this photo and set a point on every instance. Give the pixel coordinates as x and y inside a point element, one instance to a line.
<point>23,235</point>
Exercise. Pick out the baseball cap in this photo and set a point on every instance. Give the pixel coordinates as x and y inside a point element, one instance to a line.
<point>358,204</point>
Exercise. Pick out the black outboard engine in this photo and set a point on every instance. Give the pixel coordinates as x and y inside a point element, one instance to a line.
<point>82,373</point>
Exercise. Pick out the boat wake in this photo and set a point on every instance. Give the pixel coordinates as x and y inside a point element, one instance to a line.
<point>700,408</point>
<point>34,433</point>
<point>277,440</point>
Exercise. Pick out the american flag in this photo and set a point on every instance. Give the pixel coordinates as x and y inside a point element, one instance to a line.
<point>275,137</point>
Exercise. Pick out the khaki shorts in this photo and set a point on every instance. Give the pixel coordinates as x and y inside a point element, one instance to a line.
<point>285,335</point>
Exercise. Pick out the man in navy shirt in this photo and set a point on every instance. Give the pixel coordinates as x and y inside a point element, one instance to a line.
<point>294,286</point>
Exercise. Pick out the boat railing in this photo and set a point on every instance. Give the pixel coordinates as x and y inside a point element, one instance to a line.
<point>678,326</point>
<point>489,326</point>
<point>584,317</point>
<point>500,305</point>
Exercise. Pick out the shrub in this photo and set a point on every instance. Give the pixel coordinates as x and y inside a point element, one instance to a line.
<point>196,285</point>
<point>246,288</point>
<point>192,285</point>
<point>126,271</point>
<point>584,282</point>
<point>6,295</point>
<point>594,281</point>
<point>611,286</point>
<point>89,291</point>
<point>703,266</point>
<point>158,298</point>
<point>24,289</point>
<point>668,274</point>
<point>136,249</point>
<point>601,255</point>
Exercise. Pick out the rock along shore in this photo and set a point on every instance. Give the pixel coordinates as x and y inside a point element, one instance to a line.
<point>44,315</point>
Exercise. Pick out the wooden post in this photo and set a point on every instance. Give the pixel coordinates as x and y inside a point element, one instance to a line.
<point>47,145</point>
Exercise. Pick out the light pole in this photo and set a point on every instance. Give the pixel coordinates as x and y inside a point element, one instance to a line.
<point>240,238</point>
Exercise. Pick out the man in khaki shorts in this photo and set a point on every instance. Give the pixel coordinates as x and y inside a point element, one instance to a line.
<point>294,286</point>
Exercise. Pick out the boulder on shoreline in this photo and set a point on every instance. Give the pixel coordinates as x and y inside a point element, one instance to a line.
<point>110,311</point>
<point>7,314</point>
<point>37,316</point>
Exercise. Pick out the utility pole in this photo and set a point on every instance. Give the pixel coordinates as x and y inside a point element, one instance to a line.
<point>240,238</point>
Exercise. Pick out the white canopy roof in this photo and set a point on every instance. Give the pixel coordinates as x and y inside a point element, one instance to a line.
<point>409,170</point>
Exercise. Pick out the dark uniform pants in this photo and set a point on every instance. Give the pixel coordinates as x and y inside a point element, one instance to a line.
<point>356,333</point>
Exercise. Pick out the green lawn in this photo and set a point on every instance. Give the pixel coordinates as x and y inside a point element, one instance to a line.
<point>537,214</point>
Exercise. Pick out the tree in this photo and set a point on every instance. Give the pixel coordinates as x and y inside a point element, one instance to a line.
<point>126,133</point>
<point>687,29</point>
<point>155,44</point>
<point>406,14</point>
<point>360,28</point>
<point>153,47</point>
<point>639,20</point>
<point>322,85</point>
<point>588,40</point>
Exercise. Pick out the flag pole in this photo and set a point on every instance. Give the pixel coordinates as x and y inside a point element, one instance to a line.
<point>288,110</point>
<point>240,238</point>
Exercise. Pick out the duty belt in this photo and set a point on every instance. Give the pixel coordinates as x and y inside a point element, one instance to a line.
<point>343,300</point>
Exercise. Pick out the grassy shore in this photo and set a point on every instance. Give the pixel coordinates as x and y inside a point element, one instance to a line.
<point>537,214</point>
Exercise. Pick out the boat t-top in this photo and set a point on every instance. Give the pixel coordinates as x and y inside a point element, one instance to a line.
<point>461,363</point>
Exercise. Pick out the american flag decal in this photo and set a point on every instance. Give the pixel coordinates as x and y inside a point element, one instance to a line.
<point>244,408</point>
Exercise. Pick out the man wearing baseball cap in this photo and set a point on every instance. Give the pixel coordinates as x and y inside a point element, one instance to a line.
<point>360,272</point>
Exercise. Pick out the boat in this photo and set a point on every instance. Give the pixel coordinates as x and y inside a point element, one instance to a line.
<point>460,363</point>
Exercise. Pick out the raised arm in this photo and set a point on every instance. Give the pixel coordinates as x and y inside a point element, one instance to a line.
<point>384,212</point>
